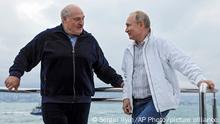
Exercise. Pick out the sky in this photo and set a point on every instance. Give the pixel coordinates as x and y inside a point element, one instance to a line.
<point>193,25</point>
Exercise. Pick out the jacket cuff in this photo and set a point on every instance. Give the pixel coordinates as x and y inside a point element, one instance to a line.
<point>199,78</point>
<point>117,84</point>
<point>16,74</point>
<point>126,96</point>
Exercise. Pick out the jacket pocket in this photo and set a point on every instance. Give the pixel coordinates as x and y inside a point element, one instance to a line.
<point>170,87</point>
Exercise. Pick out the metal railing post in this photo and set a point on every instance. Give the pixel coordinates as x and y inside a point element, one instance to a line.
<point>202,103</point>
<point>214,109</point>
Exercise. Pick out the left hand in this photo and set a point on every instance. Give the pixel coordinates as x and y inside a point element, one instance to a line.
<point>210,84</point>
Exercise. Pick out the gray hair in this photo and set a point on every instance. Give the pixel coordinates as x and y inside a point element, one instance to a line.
<point>65,13</point>
<point>141,16</point>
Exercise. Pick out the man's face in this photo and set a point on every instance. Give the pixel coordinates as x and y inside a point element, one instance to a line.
<point>74,23</point>
<point>133,28</point>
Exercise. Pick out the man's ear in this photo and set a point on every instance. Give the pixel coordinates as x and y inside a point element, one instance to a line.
<point>141,24</point>
<point>148,29</point>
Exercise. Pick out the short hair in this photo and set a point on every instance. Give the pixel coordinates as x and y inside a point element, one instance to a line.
<point>65,13</point>
<point>142,16</point>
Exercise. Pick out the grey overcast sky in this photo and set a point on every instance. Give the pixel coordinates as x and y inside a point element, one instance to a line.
<point>193,25</point>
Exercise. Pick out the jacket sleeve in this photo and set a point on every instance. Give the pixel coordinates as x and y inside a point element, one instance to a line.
<point>104,71</point>
<point>28,57</point>
<point>183,63</point>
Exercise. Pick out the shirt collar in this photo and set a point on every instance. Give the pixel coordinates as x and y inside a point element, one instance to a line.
<point>144,41</point>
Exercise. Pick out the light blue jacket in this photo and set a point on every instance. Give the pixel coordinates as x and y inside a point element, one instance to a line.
<point>161,58</point>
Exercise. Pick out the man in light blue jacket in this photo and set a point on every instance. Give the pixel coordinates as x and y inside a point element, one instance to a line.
<point>151,87</point>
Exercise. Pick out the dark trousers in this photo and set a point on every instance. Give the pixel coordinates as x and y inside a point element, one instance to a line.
<point>65,113</point>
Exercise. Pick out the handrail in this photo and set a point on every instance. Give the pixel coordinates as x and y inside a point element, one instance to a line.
<point>202,98</point>
<point>183,90</point>
<point>202,105</point>
<point>98,89</point>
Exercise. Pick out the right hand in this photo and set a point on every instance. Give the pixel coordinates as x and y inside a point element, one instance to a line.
<point>12,82</point>
<point>127,106</point>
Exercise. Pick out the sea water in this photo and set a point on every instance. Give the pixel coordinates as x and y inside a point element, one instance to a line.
<point>15,108</point>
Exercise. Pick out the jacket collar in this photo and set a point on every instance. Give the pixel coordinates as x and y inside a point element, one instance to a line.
<point>59,29</point>
<point>146,40</point>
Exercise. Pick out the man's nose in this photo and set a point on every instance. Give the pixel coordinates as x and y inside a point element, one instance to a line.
<point>126,30</point>
<point>81,21</point>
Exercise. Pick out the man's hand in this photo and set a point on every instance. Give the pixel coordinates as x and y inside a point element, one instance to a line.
<point>127,106</point>
<point>210,84</point>
<point>12,82</point>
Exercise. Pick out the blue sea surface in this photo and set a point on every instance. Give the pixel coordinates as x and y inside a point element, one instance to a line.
<point>15,108</point>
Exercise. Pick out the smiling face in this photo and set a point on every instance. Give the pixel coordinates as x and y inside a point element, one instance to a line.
<point>138,26</point>
<point>73,23</point>
<point>133,28</point>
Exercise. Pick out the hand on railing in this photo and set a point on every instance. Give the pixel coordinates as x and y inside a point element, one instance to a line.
<point>203,87</point>
<point>210,84</point>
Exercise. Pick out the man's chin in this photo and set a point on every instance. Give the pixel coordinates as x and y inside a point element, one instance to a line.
<point>78,33</point>
<point>130,38</point>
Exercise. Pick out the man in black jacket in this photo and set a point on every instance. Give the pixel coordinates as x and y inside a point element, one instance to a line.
<point>69,55</point>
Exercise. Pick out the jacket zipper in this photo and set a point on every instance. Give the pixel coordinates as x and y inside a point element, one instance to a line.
<point>74,79</point>
<point>74,72</point>
<point>150,76</point>
<point>152,84</point>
